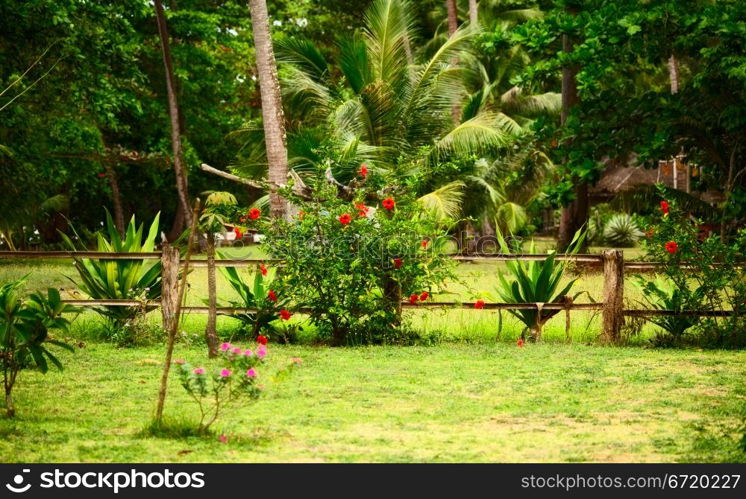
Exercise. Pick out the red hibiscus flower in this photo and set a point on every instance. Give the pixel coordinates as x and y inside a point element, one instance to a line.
<point>425,243</point>
<point>262,340</point>
<point>424,296</point>
<point>389,203</point>
<point>479,304</point>
<point>363,170</point>
<point>263,269</point>
<point>520,343</point>
<point>285,315</point>
<point>301,214</point>
<point>101,175</point>
<point>238,232</point>
<point>272,295</point>
<point>254,213</point>
<point>242,219</point>
<point>665,207</point>
<point>397,263</point>
<point>345,219</point>
<point>672,247</point>
<point>413,298</point>
<point>362,210</point>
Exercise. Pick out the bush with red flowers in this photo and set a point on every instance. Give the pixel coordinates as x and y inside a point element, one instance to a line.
<point>350,259</point>
<point>704,274</point>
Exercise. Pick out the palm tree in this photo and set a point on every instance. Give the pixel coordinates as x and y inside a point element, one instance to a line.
<point>272,114</point>
<point>379,109</point>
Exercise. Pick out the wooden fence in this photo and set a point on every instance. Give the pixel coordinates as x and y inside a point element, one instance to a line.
<point>611,261</point>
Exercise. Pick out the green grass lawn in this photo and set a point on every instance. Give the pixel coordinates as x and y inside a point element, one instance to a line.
<point>448,402</point>
<point>465,393</point>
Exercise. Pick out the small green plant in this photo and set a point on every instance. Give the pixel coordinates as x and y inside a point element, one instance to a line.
<point>25,324</point>
<point>268,304</point>
<point>621,231</point>
<point>536,281</point>
<point>662,294</point>
<point>237,378</point>
<point>103,279</point>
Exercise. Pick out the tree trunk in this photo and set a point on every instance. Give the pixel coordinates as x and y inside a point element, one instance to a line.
<point>272,114</point>
<point>392,292</point>
<point>473,12</point>
<point>210,331</point>
<point>173,112</point>
<point>10,409</point>
<point>575,214</point>
<point>452,27</point>
<point>116,196</point>
<point>673,73</point>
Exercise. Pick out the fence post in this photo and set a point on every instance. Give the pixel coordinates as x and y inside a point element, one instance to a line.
<point>169,285</point>
<point>613,311</point>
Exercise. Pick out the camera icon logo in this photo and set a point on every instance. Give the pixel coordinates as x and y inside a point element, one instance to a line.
<point>17,485</point>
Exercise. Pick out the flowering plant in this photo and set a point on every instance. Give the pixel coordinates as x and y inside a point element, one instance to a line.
<point>268,303</point>
<point>351,256</point>
<point>237,378</point>
<point>703,272</point>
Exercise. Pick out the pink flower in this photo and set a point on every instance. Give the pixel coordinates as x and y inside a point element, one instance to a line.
<point>261,352</point>
<point>225,346</point>
<point>223,438</point>
<point>225,373</point>
<point>248,353</point>
<point>251,373</point>
<point>297,360</point>
<point>181,362</point>
<point>237,351</point>
<point>199,370</point>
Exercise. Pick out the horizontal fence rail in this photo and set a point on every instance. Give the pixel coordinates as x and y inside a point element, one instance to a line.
<point>611,261</point>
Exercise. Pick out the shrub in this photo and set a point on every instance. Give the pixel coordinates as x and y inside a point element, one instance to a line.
<point>268,302</point>
<point>536,281</point>
<point>25,325</point>
<point>215,390</point>
<point>351,257</point>
<point>621,231</point>
<point>103,279</point>
<point>663,295</point>
<point>707,273</point>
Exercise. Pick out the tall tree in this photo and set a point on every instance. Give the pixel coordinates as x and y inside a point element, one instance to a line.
<point>272,114</point>
<point>174,114</point>
<point>574,214</point>
<point>473,12</point>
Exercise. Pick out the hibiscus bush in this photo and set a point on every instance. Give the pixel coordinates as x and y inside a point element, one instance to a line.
<point>705,272</point>
<point>352,253</point>
<point>237,378</point>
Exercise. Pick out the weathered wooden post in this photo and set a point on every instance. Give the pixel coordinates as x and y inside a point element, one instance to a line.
<point>169,285</point>
<point>613,311</point>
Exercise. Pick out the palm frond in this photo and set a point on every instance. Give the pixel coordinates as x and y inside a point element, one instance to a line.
<point>444,203</point>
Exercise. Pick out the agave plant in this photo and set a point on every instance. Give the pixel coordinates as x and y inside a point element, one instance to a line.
<point>536,281</point>
<point>621,231</point>
<point>664,295</point>
<point>24,333</point>
<point>136,279</point>
<point>259,296</point>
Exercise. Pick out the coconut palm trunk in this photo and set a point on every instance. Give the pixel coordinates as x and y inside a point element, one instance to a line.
<point>272,114</point>
<point>473,10</point>
<point>116,195</point>
<point>452,27</point>
<point>173,112</point>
